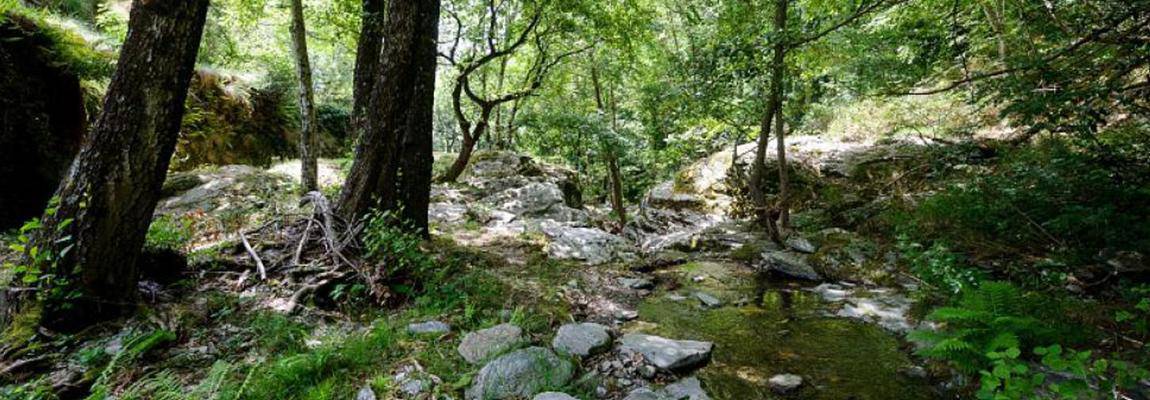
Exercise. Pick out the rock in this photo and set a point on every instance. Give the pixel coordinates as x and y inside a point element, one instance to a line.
<point>536,198</point>
<point>915,372</point>
<point>637,283</point>
<point>676,297</point>
<point>801,245</point>
<point>428,327</point>
<point>447,213</point>
<point>648,371</point>
<point>789,264</point>
<point>590,245</point>
<point>626,315</point>
<point>698,278</point>
<point>553,396</point>
<point>483,344</point>
<point>666,353</point>
<point>521,373</point>
<point>785,383</point>
<point>1128,262</point>
<point>581,339</point>
<point>365,393</point>
<point>708,301</point>
<point>687,388</point>
<point>643,394</point>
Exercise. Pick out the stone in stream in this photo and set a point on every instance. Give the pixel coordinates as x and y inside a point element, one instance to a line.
<point>789,264</point>
<point>553,396</point>
<point>708,300</point>
<point>428,327</point>
<point>483,344</point>
<point>637,283</point>
<point>666,353</point>
<point>581,339</point>
<point>785,383</point>
<point>521,373</point>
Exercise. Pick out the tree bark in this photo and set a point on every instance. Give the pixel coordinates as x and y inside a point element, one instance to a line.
<point>609,155</point>
<point>366,60</point>
<point>392,167</point>
<point>107,200</point>
<point>307,131</point>
<point>778,71</point>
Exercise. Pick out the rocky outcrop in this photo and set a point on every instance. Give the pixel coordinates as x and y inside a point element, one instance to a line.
<point>42,118</point>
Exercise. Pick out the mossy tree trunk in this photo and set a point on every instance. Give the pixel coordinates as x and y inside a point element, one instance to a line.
<point>95,235</point>
<point>393,157</point>
<point>307,130</point>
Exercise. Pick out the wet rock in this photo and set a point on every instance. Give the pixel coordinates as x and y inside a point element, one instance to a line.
<point>637,283</point>
<point>429,327</point>
<point>483,344</point>
<point>785,383</point>
<point>365,393</point>
<point>521,373</point>
<point>666,353</point>
<point>687,388</point>
<point>582,339</point>
<point>553,396</point>
<point>708,300</point>
<point>789,264</point>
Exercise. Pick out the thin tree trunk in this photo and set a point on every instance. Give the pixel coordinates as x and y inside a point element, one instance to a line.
<point>609,156</point>
<point>393,157</point>
<point>763,213</point>
<point>307,131</point>
<point>106,202</point>
<point>778,71</point>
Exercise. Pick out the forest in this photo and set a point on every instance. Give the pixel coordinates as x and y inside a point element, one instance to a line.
<point>574,199</point>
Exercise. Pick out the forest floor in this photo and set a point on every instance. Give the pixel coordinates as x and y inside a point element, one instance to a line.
<point>516,256</point>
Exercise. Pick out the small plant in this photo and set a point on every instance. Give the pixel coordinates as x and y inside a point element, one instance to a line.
<point>939,267</point>
<point>169,233</point>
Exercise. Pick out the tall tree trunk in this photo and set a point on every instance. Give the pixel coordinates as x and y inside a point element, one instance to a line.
<point>366,60</point>
<point>778,71</point>
<point>763,212</point>
<point>106,202</point>
<point>306,99</point>
<point>609,155</point>
<point>393,157</point>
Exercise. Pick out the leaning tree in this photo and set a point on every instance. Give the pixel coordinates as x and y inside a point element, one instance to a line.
<point>84,256</point>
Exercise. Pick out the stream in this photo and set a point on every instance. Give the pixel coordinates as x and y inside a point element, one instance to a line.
<point>768,327</point>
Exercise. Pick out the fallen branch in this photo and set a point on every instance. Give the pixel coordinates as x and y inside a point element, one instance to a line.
<point>251,251</point>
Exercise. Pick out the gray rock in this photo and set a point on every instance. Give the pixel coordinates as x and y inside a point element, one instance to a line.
<point>428,327</point>
<point>521,373</point>
<point>590,245</point>
<point>667,353</point>
<point>643,394</point>
<point>687,388</point>
<point>626,315</point>
<point>637,283</point>
<point>581,339</point>
<point>801,245</point>
<point>483,344</point>
<point>708,300</point>
<point>785,383</point>
<point>553,396</point>
<point>365,393</point>
<point>789,264</point>
<point>676,297</point>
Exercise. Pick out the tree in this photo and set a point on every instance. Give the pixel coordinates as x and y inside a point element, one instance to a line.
<point>393,157</point>
<point>308,124</point>
<point>90,241</point>
<point>773,112</point>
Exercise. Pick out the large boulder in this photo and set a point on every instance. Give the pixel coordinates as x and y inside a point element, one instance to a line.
<point>42,118</point>
<point>590,245</point>
<point>666,353</point>
<point>485,343</point>
<point>521,374</point>
<point>789,264</point>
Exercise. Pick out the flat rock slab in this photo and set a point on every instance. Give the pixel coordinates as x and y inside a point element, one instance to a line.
<point>708,300</point>
<point>521,374</point>
<point>789,264</point>
<point>554,396</point>
<point>666,353</point>
<point>581,339</point>
<point>429,327</point>
<point>486,343</point>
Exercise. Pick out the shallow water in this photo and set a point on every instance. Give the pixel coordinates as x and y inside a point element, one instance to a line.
<point>780,330</point>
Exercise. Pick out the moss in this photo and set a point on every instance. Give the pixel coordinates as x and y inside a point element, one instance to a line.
<point>22,329</point>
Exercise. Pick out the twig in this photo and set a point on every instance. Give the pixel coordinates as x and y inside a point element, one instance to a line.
<point>259,263</point>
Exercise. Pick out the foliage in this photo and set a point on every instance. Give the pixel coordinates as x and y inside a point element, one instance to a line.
<point>169,233</point>
<point>62,46</point>
<point>37,267</point>
<point>399,264</point>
